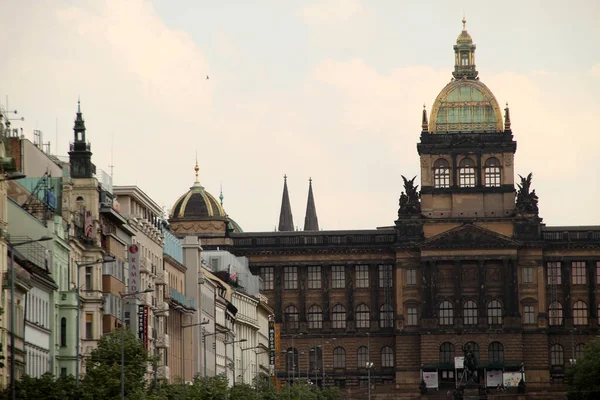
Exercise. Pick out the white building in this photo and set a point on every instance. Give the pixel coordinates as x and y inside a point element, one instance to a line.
<point>38,320</point>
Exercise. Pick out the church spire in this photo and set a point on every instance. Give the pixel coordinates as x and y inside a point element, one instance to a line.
<point>286,222</point>
<point>311,222</point>
<point>80,156</point>
<point>464,55</point>
<point>79,127</point>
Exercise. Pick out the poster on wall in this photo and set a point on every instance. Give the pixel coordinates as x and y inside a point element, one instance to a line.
<point>459,362</point>
<point>494,378</point>
<point>431,379</point>
<point>512,379</point>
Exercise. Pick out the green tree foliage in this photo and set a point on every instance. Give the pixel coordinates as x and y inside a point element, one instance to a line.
<point>584,376</point>
<point>45,387</point>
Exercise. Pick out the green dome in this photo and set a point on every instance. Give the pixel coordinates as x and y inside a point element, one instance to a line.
<point>465,105</point>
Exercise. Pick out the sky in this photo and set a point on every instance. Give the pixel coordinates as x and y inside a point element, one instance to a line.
<point>329,89</point>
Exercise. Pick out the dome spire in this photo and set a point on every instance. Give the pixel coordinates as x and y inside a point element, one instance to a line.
<point>464,55</point>
<point>196,169</point>
<point>506,118</point>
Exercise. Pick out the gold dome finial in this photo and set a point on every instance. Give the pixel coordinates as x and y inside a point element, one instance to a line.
<point>464,21</point>
<point>197,168</point>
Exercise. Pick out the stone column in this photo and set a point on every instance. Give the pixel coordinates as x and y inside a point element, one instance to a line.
<point>591,267</point>
<point>507,279</point>
<point>350,291</point>
<point>278,272</point>
<point>426,311</point>
<point>482,291</point>
<point>566,284</point>
<point>515,287</point>
<point>457,275</point>
<point>454,168</point>
<point>302,281</point>
<point>479,171</point>
<point>326,271</point>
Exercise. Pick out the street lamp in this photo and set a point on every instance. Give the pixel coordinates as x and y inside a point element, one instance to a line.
<point>183,353</point>
<point>204,336</point>
<point>234,342</point>
<point>123,296</point>
<point>369,366</point>
<point>12,246</point>
<point>243,365</point>
<point>78,326</point>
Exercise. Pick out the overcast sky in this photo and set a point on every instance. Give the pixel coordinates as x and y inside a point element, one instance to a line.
<point>330,89</point>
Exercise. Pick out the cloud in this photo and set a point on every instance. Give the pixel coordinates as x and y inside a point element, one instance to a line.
<point>331,11</point>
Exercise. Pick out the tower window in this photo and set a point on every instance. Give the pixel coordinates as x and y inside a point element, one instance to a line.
<point>492,172</point>
<point>464,59</point>
<point>466,173</point>
<point>441,173</point>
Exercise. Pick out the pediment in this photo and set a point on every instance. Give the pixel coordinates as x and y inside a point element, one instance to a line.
<point>469,236</point>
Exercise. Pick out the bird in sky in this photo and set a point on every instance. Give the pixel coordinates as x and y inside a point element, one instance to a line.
<point>206,76</point>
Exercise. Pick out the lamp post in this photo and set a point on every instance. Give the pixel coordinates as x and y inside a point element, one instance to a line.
<point>183,353</point>
<point>78,318</point>
<point>12,246</point>
<point>123,296</point>
<point>243,365</point>
<point>234,342</point>
<point>369,366</point>
<point>204,336</point>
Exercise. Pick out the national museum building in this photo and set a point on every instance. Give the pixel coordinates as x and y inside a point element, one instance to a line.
<point>467,264</point>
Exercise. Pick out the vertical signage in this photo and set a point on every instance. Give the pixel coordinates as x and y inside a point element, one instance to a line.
<point>146,308</point>
<point>141,321</point>
<point>271,342</point>
<point>134,268</point>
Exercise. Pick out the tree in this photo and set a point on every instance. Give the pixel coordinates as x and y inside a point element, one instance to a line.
<point>102,380</point>
<point>584,376</point>
<point>44,387</point>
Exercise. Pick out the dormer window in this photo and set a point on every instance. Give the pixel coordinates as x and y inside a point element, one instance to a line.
<point>466,173</point>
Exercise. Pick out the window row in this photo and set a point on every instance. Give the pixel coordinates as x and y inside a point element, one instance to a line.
<point>557,354</point>
<point>467,173</point>
<point>338,277</point>
<point>580,313</point>
<point>362,317</point>
<point>315,357</point>
<point>470,313</point>
<point>495,352</point>
<point>579,274</point>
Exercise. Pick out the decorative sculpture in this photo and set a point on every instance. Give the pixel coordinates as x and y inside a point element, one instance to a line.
<point>410,203</point>
<point>470,365</point>
<point>527,201</point>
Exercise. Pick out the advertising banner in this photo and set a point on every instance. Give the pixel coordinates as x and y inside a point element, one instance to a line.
<point>431,379</point>
<point>146,309</point>
<point>134,268</point>
<point>494,378</point>
<point>272,358</point>
<point>459,362</point>
<point>141,322</point>
<point>512,379</point>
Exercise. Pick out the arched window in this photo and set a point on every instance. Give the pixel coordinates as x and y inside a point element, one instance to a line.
<point>496,352</point>
<point>466,173</point>
<point>555,312</point>
<point>315,317</point>
<point>579,351</point>
<point>447,353</point>
<point>339,317</point>
<point>386,316</point>
<point>291,317</point>
<point>362,316</point>
<point>580,313</point>
<point>446,313</point>
<point>492,172</point>
<point>474,348</point>
<point>291,359</point>
<point>387,357</point>
<point>339,357</point>
<point>63,331</point>
<point>494,311</point>
<point>316,358</point>
<point>362,357</point>
<point>557,358</point>
<point>470,313</point>
<point>441,173</point>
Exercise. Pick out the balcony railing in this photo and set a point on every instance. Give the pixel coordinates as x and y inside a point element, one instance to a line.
<point>571,235</point>
<point>180,299</point>
<point>162,341</point>
<point>162,278</point>
<point>367,238</point>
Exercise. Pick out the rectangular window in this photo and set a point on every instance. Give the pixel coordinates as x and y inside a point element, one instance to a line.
<point>528,315</point>
<point>89,326</point>
<point>411,276</point>
<point>266,273</point>
<point>554,276</point>
<point>314,277</point>
<point>578,273</point>
<point>411,316</point>
<point>362,276</point>
<point>338,277</point>
<point>385,276</point>
<point>88,278</point>
<point>290,277</point>
<point>527,275</point>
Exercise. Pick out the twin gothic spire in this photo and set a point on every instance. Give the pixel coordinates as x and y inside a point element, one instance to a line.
<point>286,221</point>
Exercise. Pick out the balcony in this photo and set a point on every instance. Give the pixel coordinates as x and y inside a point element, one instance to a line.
<point>180,299</point>
<point>162,341</point>
<point>162,278</point>
<point>162,310</point>
<point>145,265</point>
